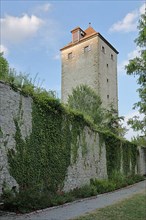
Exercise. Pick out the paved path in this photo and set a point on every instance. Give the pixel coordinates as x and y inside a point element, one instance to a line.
<point>75,209</point>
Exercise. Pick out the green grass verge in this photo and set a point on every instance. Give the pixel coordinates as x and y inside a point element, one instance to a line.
<point>133,208</point>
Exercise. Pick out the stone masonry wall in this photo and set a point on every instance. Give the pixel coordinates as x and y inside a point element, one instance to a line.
<point>90,161</point>
<point>80,69</point>
<point>107,75</point>
<point>94,68</point>
<point>91,165</point>
<point>142,160</point>
<point>12,106</point>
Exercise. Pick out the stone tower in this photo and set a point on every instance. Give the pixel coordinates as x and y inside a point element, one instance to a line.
<point>90,59</point>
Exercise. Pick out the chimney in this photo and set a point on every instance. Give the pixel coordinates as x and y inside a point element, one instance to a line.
<point>77,34</point>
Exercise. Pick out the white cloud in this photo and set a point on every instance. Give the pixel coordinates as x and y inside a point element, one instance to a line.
<point>18,29</point>
<point>134,53</point>
<point>121,66</point>
<point>56,57</point>
<point>129,22</point>
<point>131,55</point>
<point>4,50</point>
<point>142,9</point>
<point>43,8</point>
<point>130,132</point>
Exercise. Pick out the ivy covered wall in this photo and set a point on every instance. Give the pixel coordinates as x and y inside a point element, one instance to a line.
<point>61,151</point>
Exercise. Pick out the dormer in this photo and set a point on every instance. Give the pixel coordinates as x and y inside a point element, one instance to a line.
<point>77,34</point>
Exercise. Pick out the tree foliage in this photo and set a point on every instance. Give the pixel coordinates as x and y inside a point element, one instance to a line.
<point>4,66</point>
<point>137,67</point>
<point>85,100</point>
<point>23,81</point>
<point>139,140</point>
<point>112,121</point>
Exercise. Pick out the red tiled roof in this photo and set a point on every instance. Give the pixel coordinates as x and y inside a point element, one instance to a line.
<point>76,29</point>
<point>89,32</point>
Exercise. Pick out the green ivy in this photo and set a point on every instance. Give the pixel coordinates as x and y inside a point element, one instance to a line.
<point>113,153</point>
<point>1,133</point>
<point>121,155</point>
<point>40,162</point>
<point>134,152</point>
<point>126,158</point>
<point>84,145</point>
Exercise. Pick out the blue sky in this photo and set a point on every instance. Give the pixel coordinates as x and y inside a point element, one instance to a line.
<point>32,33</point>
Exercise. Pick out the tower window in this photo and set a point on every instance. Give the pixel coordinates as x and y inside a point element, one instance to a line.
<point>70,55</point>
<point>107,64</point>
<point>103,49</point>
<point>86,49</point>
<point>112,57</point>
<point>107,80</point>
<point>107,96</point>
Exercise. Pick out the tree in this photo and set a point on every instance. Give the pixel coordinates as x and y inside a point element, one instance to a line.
<point>139,140</point>
<point>85,100</point>
<point>137,67</point>
<point>4,67</point>
<point>112,121</point>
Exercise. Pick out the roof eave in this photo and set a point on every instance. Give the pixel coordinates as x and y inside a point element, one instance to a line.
<point>84,39</point>
<point>107,43</point>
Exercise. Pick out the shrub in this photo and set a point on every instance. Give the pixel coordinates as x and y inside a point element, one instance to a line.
<point>29,200</point>
<point>116,181</point>
<point>103,186</point>
<point>85,100</point>
<point>119,179</point>
<point>61,199</point>
<point>134,178</point>
<point>85,191</point>
<point>8,194</point>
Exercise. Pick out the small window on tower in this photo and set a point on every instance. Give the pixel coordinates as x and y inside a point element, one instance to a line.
<point>103,49</point>
<point>70,56</point>
<point>112,57</point>
<point>86,49</point>
<point>107,64</point>
<point>107,80</point>
<point>108,96</point>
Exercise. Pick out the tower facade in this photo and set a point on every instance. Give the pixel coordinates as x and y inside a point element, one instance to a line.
<point>90,59</point>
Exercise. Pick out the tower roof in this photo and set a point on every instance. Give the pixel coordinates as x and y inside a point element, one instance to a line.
<point>89,32</point>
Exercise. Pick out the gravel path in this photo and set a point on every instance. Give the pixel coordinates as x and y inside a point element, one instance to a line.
<point>77,208</point>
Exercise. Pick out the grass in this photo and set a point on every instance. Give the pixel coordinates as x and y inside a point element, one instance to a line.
<point>133,208</point>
